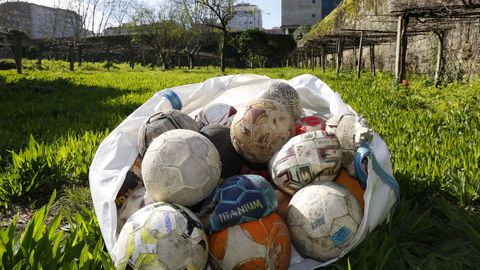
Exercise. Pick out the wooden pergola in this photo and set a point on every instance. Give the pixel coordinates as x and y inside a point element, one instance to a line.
<point>435,16</point>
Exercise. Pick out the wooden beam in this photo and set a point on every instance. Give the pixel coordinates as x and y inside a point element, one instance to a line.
<point>440,58</point>
<point>360,52</point>
<point>401,48</point>
<point>339,55</point>
<point>372,60</point>
<point>70,56</point>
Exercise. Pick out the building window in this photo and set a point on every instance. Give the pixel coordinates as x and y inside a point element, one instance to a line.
<point>313,1</point>
<point>313,15</point>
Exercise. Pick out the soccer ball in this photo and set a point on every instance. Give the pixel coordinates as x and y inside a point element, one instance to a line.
<point>309,123</point>
<point>240,199</point>
<point>216,113</point>
<point>283,94</point>
<point>313,157</point>
<point>323,220</point>
<point>160,122</point>
<point>260,244</point>
<point>352,131</point>
<point>181,166</point>
<point>162,236</point>
<point>352,184</point>
<point>134,202</point>
<point>219,135</point>
<point>260,129</point>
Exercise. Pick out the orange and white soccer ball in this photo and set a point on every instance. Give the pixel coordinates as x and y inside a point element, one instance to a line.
<point>260,129</point>
<point>260,244</point>
<point>323,220</point>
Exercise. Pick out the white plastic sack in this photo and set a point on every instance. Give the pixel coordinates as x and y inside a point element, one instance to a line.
<point>118,151</point>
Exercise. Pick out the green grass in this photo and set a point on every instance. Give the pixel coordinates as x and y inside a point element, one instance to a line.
<point>53,121</point>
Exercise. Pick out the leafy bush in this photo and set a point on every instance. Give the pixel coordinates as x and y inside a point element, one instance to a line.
<point>65,243</point>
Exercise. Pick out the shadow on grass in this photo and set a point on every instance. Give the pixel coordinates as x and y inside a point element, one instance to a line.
<point>51,109</point>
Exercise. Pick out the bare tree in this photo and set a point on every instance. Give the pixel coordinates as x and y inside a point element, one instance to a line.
<point>159,29</point>
<point>195,35</point>
<point>218,14</point>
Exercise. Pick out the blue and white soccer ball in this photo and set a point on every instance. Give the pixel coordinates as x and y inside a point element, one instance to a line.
<point>240,199</point>
<point>323,220</point>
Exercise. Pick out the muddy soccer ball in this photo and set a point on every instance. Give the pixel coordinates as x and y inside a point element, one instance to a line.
<point>240,199</point>
<point>323,220</point>
<point>162,236</point>
<point>312,157</point>
<point>181,166</point>
<point>219,135</point>
<point>216,113</point>
<point>260,244</point>
<point>260,129</point>
<point>160,122</point>
<point>284,94</point>
<point>352,131</point>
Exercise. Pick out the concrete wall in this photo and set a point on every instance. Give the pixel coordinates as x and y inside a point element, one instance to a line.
<point>39,21</point>
<point>300,12</point>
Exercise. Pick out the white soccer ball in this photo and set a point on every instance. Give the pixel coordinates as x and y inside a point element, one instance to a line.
<point>216,113</point>
<point>352,130</point>
<point>312,157</point>
<point>162,236</point>
<point>323,220</point>
<point>181,166</point>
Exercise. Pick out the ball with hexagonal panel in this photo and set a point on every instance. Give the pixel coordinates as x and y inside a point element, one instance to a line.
<point>160,122</point>
<point>162,236</point>
<point>284,94</point>
<point>181,166</point>
<point>260,128</point>
<point>323,220</point>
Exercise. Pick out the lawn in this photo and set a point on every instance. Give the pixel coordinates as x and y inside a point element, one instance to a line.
<point>52,121</point>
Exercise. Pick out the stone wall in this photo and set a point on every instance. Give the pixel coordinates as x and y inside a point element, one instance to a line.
<point>462,44</point>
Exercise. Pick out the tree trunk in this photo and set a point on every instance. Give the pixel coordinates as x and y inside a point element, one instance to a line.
<point>70,56</point>
<point>223,51</point>
<point>79,56</point>
<point>131,58</point>
<point>18,55</point>
<point>40,55</point>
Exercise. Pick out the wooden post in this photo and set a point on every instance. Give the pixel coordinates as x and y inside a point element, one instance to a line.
<point>40,54</point>
<point>360,52</point>
<point>401,48</point>
<point>440,57</point>
<point>70,56</point>
<point>131,59</point>
<point>339,55</point>
<point>372,60</point>
<point>312,57</point>
<point>324,59</point>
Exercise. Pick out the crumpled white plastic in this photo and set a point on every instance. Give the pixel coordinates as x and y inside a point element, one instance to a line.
<point>117,152</point>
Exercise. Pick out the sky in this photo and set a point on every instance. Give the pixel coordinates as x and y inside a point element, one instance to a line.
<point>271,10</point>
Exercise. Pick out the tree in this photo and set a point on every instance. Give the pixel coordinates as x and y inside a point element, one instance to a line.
<point>254,46</point>
<point>195,35</point>
<point>158,29</point>
<point>218,14</point>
